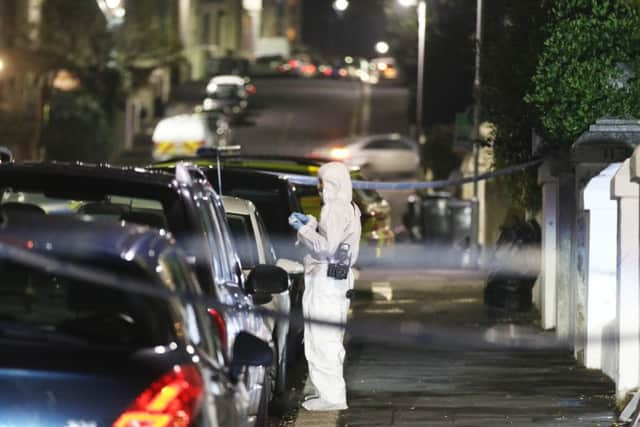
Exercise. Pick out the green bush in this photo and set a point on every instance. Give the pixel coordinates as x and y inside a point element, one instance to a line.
<point>17,132</point>
<point>77,129</point>
<point>588,67</point>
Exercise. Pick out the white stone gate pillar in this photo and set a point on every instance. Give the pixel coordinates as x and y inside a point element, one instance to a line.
<point>626,195</point>
<point>549,258</point>
<point>600,268</point>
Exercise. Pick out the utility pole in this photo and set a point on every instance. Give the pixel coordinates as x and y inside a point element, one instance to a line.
<point>478,99</point>
<point>422,39</point>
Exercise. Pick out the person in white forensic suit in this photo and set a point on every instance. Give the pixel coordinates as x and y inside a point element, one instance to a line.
<point>325,298</point>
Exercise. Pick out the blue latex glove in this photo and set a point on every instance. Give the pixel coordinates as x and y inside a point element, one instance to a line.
<point>295,222</point>
<point>301,217</point>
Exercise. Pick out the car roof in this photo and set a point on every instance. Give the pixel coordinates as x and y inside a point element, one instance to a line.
<point>78,169</point>
<point>257,162</point>
<point>209,168</point>
<point>236,205</point>
<point>60,177</point>
<point>87,240</point>
<point>386,136</point>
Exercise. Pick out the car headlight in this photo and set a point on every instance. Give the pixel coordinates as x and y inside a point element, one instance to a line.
<point>339,153</point>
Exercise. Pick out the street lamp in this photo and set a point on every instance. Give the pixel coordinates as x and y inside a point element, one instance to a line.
<point>113,10</point>
<point>476,92</point>
<point>382,47</point>
<point>341,5</point>
<point>422,36</point>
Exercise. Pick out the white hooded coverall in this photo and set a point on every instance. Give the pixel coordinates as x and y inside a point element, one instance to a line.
<point>324,297</point>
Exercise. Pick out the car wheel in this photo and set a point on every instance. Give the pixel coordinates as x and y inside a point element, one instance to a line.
<point>262,419</point>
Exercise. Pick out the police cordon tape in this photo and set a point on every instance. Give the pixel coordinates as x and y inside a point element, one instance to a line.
<point>409,333</point>
<point>418,185</point>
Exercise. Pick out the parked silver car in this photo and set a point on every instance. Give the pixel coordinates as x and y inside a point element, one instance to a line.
<point>254,248</point>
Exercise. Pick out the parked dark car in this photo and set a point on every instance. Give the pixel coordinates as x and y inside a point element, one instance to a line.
<point>77,350</point>
<point>187,207</point>
<point>275,198</point>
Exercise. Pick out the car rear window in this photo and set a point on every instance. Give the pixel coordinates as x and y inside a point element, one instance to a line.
<point>112,208</point>
<point>37,306</point>
<point>226,91</point>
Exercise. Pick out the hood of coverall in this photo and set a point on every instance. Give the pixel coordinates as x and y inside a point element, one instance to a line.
<point>336,182</point>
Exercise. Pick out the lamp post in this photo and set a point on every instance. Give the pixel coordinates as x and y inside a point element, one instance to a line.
<point>422,38</point>
<point>477,95</point>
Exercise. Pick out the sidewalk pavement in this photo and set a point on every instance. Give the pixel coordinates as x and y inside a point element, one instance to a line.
<point>442,386</point>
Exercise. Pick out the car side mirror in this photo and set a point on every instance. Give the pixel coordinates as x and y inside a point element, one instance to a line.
<point>249,350</point>
<point>290,266</point>
<point>6,156</point>
<point>267,279</point>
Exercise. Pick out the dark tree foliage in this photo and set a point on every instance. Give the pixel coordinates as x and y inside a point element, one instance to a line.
<point>589,67</point>
<point>77,128</point>
<point>75,33</point>
<point>513,38</point>
<point>109,63</point>
<point>149,34</point>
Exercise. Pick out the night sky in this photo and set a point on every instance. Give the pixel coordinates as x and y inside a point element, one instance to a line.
<point>355,33</point>
<point>449,51</point>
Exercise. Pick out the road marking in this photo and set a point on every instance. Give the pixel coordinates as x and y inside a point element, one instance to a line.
<point>365,120</point>
<point>394,310</point>
<point>287,126</point>
<point>396,302</point>
<point>355,114</point>
<point>383,289</point>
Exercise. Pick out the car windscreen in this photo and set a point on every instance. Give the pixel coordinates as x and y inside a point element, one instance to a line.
<point>244,239</point>
<point>36,306</point>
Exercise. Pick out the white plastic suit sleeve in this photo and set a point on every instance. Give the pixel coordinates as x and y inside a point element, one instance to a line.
<point>324,242</point>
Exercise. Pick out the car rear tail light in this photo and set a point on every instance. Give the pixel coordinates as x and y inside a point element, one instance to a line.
<point>251,89</point>
<point>171,401</point>
<point>221,325</point>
